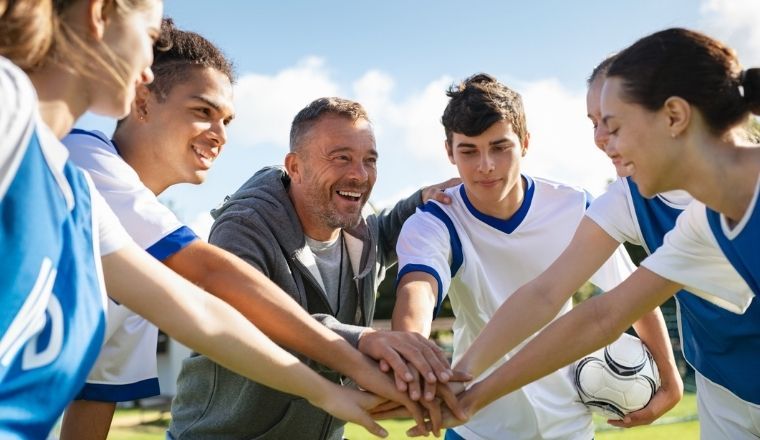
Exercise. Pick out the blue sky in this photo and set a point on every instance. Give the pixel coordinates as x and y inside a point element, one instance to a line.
<point>397,58</point>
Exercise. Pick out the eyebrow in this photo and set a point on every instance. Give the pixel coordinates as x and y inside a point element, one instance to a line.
<point>216,106</point>
<point>496,142</point>
<point>373,152</point>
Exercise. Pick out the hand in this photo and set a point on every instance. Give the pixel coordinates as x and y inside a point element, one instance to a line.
<point>367,375</point>
<point>448,420</point>
<point>435,192</point>
<point>664,399</point>
<point>395,348</point>
<point>353,406</point>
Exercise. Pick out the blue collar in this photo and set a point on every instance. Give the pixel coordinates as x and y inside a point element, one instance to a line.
<point>509,225</point>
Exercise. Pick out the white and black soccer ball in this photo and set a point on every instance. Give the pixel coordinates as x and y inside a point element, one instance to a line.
<point>617,379</point>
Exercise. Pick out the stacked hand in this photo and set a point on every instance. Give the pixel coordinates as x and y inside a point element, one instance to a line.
<point>420,369</point>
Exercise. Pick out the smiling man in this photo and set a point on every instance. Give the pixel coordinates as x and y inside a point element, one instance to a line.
<point>306,228</point>
<point>501,230</point>
<point>176,128</point>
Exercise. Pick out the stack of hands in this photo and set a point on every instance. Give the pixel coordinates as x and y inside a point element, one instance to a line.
<point>427,388</point>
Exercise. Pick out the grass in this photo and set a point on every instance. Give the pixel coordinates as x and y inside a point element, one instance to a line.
<point>679,423</point>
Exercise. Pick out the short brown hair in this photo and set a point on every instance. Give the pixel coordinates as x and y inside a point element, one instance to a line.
<point>480,101</point>
<point>319,108</point>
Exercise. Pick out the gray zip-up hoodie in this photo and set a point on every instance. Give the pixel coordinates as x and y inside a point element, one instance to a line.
<point>259,224</point>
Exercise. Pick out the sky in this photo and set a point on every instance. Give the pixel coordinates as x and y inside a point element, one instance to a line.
<point>398,57</point>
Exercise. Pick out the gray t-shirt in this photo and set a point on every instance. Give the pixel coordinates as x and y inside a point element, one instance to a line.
<point>333,264</point>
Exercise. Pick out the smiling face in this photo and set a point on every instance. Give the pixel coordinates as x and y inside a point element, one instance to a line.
<point>332,173</point>
<point>638,141</point>
<point>489,165</point>
<point>188,129</point>
<point>129,36</point>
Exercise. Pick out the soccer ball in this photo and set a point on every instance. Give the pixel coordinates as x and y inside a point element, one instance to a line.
<point>617,379</point>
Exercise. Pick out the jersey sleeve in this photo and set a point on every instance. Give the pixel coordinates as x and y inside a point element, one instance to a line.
<point>110,231</point>
<point>152,225</point>
<point>612,212</point>
<point>691,256</point>
<point>424,246</point>
<point>17,115</point>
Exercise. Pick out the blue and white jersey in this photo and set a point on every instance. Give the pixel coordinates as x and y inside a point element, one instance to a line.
<point>691,256</point>
<point>721,345</point>
<point>479,261</point>
<point>126,368</point>
<point>54,229</point>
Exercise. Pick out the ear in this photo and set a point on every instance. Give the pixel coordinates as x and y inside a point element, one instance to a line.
<point>140,104</point>
<point>678,113</point>
<point>525,143</point>
<point>449,152</point>
<point>293,167</point>
<point>96,18</point>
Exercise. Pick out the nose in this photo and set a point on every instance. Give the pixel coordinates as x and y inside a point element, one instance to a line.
<point>601,136</point>
<point>218,133</point>
<point>486,164</point>
<point>358,171</point>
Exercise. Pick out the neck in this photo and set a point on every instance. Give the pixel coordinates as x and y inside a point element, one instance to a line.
<point>505,208</point>
<point>723,176</point>
<point>131,145</point>
<point>310,223</point>
<point>61,100</point>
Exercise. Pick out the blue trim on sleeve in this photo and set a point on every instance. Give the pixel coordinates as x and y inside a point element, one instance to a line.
<point>589,198</point>
<point>172,243</point>
<point>509,225</point>
<point>96,134</point>
<point>452,435</point>
<point>457,257</point>
<point>120,393</point>
<point>428,270</point>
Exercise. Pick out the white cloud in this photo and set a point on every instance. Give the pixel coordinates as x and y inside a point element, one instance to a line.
<point>408,129</point>
<point>265,105</point>
<point>736,23</point>
<point>561,143</point>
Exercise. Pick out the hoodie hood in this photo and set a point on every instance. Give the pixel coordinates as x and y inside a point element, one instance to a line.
<point>265,196</point>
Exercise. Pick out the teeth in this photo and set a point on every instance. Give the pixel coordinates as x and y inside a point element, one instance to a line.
<point>350,194</point>
<point>201,154</point>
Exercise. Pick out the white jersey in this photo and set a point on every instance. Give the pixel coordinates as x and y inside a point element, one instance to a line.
<point>692,244</point>
<point>54,228</point>
<point>126,369</point>
<point>479,261</point>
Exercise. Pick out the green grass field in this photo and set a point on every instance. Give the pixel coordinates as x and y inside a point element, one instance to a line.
<point>679,423</point>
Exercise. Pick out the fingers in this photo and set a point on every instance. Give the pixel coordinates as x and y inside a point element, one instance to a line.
<point>449,397</point>
<point>371,425</point>
<point>460,376</point>
<point>434,413</point>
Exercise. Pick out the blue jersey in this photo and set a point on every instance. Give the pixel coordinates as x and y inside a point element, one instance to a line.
<point>723,346</point>
<point>52,316</point>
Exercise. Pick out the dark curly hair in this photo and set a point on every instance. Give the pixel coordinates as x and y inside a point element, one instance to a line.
<point>175,55</point>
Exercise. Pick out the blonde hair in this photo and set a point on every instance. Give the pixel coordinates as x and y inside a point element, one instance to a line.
<point>37,33</point>
<point>26,31</point>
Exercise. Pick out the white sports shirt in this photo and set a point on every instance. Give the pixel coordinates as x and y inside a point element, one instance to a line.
<point>479,261</point>
<point>692,244</point>
<point>126,368</point>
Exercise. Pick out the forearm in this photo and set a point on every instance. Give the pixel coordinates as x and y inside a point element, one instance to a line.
<point>204,323</point>
<point>593,324</point>
<point>535,304</point>
<point>653,331</point>
<point>267,306</point>
<point>522,315</point>
<point>415,303</point>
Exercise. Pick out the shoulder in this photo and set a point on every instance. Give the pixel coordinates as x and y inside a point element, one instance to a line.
<point>18,103</point>
<point>551,191</point>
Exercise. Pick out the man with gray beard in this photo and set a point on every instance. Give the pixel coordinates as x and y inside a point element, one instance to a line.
<point>305,227</point>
